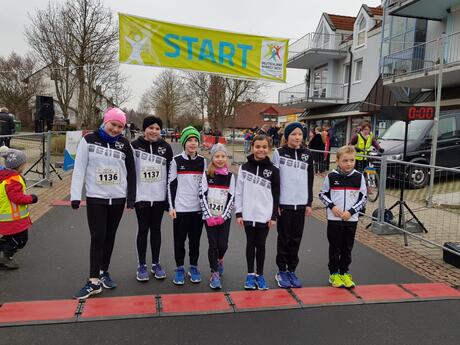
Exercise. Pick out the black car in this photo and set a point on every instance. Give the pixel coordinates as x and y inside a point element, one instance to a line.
<point>419,147</point>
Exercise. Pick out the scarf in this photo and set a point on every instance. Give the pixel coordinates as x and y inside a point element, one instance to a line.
<point>106,137</point>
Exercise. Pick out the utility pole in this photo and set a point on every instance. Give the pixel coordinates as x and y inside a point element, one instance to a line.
<point>434,133</point>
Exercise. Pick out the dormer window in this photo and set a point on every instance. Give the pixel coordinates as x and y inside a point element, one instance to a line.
<point>362,31</point>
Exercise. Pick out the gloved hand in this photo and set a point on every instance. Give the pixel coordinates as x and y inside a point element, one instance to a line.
<point>381,150</point>
<point>212,221</point>
<point>220,220</point>
<point>34,198</point>
<point>75,204</point>
<point>130,204</point>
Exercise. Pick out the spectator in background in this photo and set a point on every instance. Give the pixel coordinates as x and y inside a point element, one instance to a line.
<point>316,143</point>
<point>327,146</point>
<point>6,126</point>
<point>247,141</point>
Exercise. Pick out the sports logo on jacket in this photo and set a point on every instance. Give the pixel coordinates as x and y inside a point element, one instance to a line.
<point>267,173</point>
<point>162,150</point>
<point>304,157</point>
<point>119,145</point>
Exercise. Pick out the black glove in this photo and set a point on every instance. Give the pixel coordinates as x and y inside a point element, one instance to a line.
<point>381,150</point>
<point>75,204</point>
<point>34,198</point>
<point>130,204</point>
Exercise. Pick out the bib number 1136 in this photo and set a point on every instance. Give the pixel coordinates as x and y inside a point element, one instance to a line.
<point>107,176</point>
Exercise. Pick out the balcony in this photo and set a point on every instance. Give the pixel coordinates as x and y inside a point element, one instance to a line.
<point>314,97</point>
<point>427,9</point>
<point>417,67</point>
<point>315,48</point>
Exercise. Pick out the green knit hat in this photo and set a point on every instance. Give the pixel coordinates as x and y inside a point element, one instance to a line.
<point>187,133</point>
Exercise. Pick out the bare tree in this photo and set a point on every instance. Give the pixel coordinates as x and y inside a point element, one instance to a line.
<point>80,37</point>
<point>49,37</point>
<point>19,84</point>
<point>217,96</point>
<point>166,97</point>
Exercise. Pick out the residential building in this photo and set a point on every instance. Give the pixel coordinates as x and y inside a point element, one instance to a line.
<point>416,65</point>
<point>256,114</point>
<point>341,59</point>
<point>433,28</point>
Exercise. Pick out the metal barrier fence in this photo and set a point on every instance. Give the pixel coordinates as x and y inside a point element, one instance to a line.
<point>425,226</point>
<point>44,152</point>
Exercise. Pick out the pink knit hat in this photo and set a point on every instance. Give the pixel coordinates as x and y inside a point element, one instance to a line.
<point>115,114</point>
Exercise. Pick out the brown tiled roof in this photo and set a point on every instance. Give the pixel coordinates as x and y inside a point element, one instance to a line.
<point>250,115</point>
<point>376,11</point>
<point>341,22</point>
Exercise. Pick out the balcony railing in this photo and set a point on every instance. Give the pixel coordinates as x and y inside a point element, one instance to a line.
<point>423,57</point>
<point>316,93</point>
<point>318,41</point>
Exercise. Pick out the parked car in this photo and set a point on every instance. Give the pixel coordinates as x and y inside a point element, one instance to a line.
<point>419,147</point>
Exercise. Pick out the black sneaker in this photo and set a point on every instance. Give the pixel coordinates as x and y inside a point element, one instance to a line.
<point>88,290</point>
<point>8,262</point>
<point>106,281</point>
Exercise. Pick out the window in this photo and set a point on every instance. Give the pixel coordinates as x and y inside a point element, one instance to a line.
<point>346,74</point>
<point>320,82</point>
<point>358,70</point>
<point>447,128</point>
<point>362,32</point>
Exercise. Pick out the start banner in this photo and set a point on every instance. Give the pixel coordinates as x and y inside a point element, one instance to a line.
<point>155,43</point>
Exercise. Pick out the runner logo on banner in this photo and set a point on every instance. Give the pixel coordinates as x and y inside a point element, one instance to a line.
<point>154,43</point>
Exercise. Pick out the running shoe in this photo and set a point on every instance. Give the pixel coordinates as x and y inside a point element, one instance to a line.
<point>250,283</point>
<point>88,290</point>
<point>294,280</point>
<point>335,280</point>
<point>214,282</point>
<point>282,278</point>
<point>8,262</point>
<point>261,283</point>
<point>106,281</point>
<point>194,274</point>
<point>220,267</point>
<point>158,271</point>
<point>142,274</point>
<point>347,280</point>
<point>179,277</point>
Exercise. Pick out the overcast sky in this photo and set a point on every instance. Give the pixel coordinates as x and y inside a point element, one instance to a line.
<point>285,19</point>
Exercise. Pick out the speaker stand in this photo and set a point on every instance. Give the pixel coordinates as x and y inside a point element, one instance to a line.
<point>42,159</point>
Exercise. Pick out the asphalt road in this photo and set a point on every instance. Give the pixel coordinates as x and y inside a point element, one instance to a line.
<point>55,264</point>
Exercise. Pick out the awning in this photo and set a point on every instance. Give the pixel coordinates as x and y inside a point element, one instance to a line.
<point>341,110</point>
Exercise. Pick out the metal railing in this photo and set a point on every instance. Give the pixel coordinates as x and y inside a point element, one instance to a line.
<point>441,220</point>
<point>44,152</point>
<point>302,93</point>
<point>423,57</point>
<point>314,40</point>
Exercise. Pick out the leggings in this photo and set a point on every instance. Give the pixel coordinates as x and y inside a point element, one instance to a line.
<point>218,242</point>
<point>9,244</point>
<point>187,224</point>
<point>255,247</point>
<point>149,218</point>
<point>290,231</point>
<point>103,222</point>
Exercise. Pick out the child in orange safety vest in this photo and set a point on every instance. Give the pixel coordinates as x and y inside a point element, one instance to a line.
<point>14,212</point>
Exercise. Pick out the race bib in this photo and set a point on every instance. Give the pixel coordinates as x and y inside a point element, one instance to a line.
<point>108,175</point>
<point>217,203</point>
<point>150,174</point>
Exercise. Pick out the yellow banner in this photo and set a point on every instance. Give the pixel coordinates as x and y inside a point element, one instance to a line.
<point>154,43</point>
